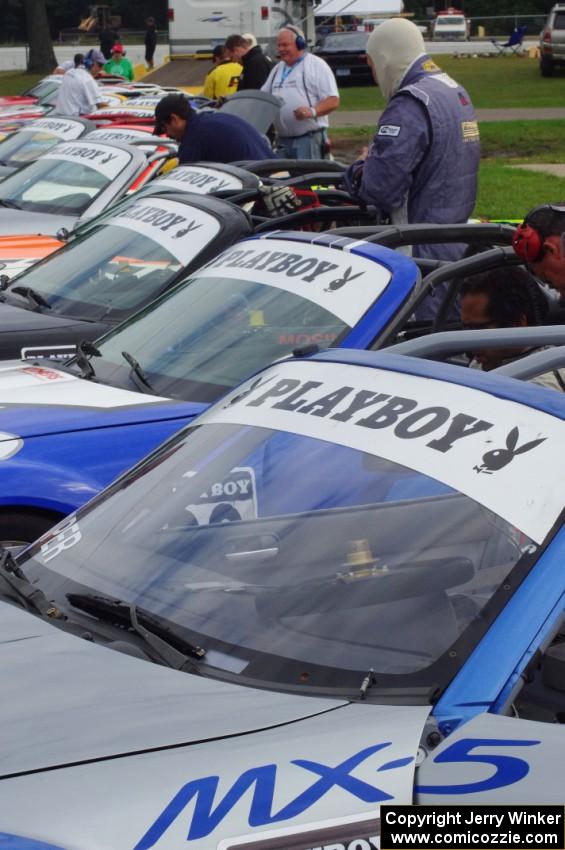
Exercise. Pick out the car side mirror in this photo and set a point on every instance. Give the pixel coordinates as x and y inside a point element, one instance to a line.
<point>553,667</point>
<point>4,282</point>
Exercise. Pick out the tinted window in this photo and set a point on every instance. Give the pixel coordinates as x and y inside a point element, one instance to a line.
<point>347,41</point>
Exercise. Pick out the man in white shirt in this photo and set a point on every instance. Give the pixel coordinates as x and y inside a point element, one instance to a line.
<point>78,92</point>
<point>308,88</point>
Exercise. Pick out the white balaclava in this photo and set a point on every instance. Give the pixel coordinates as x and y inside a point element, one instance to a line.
<point>394,46</point>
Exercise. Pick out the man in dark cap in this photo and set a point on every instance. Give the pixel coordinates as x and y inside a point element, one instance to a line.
<point>208,136</point>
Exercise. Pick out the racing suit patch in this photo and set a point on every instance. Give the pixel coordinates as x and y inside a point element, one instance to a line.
<point>470,130</point>
<point>389,130</point>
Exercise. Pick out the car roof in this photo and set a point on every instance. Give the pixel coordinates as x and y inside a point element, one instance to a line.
<point>510,389</point>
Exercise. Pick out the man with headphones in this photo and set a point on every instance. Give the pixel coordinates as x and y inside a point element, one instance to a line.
<point>309,92</point>
<point>78,93</point>
<point>540,242</point>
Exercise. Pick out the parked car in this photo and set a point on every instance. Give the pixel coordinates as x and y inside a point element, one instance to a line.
<point>71,183</point>
<point>36,138</point>
<point>552,41</point>
<point>120,264</point>
<point>67,431</point>
<point>345,53</point>
<point>349,577</point>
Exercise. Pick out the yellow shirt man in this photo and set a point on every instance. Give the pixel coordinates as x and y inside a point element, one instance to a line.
<point>222,80</point>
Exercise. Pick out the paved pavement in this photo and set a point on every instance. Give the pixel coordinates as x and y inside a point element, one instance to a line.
<point>555,169</point>
<point>14,58</point>
<point>356,118</point>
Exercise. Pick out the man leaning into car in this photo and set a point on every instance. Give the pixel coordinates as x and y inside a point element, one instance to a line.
<point>208,136</point>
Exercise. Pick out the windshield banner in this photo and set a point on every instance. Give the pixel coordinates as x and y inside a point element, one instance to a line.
<point>63,128</point>
<point>119,135</point>
<point>500,453</point>
<point>117,111</point>
<point>179,228</point>
<point>344,284</point>
<point>107,161</point>
<point>199,180</point>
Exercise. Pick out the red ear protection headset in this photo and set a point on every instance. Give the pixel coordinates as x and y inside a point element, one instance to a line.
<point>527,240</point>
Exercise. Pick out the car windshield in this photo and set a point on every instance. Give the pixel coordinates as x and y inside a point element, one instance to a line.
<point>124,263</point>
<point>293,561</point>
<point>450,20</point>
<point>559,21</point>
<point>42,89</point>
<point>346,41</point>
<point>253,304</point>
<point>30,143</point>
<point>66,180</point>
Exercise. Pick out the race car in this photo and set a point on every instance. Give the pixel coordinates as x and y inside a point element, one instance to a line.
<point>349,577</point>
<point>72,182</point>
<point>67,431</point>
<point>120,264</point>
<point>35,139</point>
<point>37,94</point>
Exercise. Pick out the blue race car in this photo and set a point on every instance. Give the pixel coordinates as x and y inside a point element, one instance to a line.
<point>66,432</point>
<point>349,573</point>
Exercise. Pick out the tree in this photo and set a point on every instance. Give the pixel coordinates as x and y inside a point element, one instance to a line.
<point>41,54</point>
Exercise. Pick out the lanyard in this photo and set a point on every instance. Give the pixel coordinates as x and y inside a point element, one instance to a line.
<point>288,69</point>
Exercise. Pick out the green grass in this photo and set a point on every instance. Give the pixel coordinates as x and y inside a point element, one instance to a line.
<point>16,82</point>
<point>521,141</point>
<point>504,192</point>
<point>497,82</point>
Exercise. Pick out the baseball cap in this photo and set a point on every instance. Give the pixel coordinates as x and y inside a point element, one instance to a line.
<point>171,103</point>
<point>118,48</point>
<point>95,55</point>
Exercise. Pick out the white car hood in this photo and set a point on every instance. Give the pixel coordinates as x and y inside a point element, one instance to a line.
<point>103,750</point>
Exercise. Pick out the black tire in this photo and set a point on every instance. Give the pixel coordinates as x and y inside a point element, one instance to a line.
<point>20,527</point>
<point>546,67</point>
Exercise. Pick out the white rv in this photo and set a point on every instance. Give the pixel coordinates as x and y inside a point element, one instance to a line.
<point>195,26</point>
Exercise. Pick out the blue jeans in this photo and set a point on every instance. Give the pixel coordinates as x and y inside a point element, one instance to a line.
<point>301,147</point>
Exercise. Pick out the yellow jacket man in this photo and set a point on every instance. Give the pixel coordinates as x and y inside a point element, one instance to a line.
<point>223,78</point>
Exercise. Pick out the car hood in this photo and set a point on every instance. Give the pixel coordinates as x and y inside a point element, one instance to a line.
<point>40,399</point>
<point>18,320</point>
<point>23,222</point>
<point>17,253</point>
<point>17,100</point>
<point>132,743</point>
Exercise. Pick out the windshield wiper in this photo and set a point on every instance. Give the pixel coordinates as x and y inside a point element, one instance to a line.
<point>137,370</point>
<point>22,589</point>
<point>161,640</point>
<point>86,350</point>
<point>36,300</point>
<point>11,205</point>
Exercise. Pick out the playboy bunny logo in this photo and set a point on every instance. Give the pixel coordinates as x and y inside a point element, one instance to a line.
<point>341,281</point>
<point>185,230</point>
<point>499,458</point>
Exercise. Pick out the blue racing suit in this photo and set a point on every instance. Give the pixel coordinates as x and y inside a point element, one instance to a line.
<point>423,162</point>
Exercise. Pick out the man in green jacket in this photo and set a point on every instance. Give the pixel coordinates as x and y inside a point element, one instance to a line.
<point>118,65</point>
